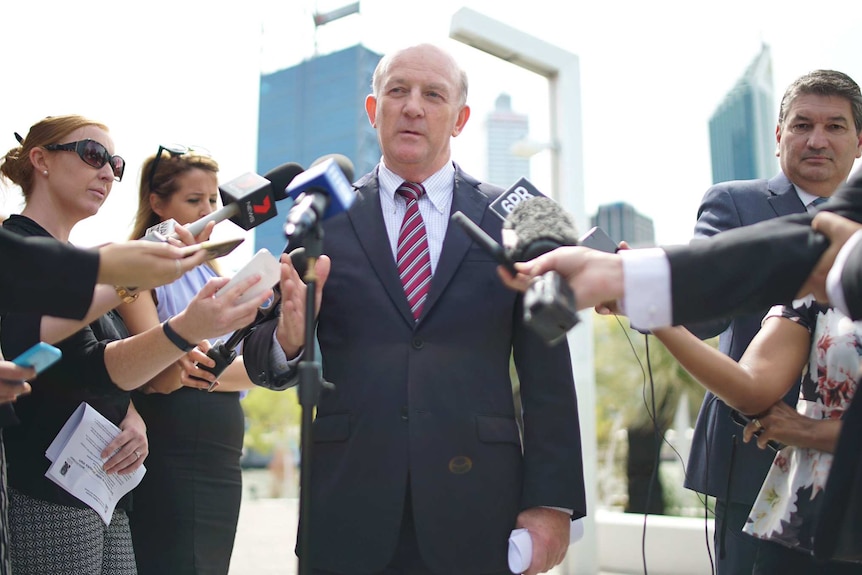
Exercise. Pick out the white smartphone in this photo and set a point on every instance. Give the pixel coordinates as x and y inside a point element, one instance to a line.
<point>263,263</point>
<point>39,357</point>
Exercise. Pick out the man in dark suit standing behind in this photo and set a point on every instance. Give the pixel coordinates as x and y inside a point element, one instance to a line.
<point>418,463</point>
<point>817,137</point>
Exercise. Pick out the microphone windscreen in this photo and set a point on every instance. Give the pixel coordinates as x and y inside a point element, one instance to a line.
<point>537,226</point>
<point>343,162</point>
<point>281,176</point>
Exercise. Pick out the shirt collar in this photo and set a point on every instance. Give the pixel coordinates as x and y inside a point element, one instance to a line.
<point>804,196</point>
<point>438,186</point>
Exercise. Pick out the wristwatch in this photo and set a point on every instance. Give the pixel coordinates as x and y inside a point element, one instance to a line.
<point>126,294</point>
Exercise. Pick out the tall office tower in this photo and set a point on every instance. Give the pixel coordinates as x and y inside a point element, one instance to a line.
<point>742,129</point>
<point>622,223</point>
<point>505,127</point>
<point>312,109</point>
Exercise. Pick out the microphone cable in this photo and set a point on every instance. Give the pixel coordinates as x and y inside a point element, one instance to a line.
<point>650,406</point>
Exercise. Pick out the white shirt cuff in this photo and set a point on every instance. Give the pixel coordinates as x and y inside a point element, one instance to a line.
<point>646,284</point>
<point>278,360</point>
<point>833,279</point>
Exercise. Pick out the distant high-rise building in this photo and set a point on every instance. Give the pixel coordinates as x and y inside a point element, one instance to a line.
<point>742,129</point>
<point>622,223</point>
<point>505,127</point>
<point>310,110</point>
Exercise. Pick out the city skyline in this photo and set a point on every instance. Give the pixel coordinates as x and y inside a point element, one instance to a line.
<point>650,77</point>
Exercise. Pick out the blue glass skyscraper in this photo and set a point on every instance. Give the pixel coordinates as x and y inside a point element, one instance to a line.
<point>310,110</point>
<point>742,129</point>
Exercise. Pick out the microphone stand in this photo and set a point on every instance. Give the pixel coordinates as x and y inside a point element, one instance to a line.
<point>310,384</point>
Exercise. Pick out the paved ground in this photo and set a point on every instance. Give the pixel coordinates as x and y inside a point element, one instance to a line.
<point>266,536</point>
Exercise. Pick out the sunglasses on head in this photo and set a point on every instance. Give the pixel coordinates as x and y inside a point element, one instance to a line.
<point>94,154</point>
<point>174,150</point>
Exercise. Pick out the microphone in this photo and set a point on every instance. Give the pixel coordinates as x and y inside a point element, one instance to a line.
<point>281,176</point>
<point>536,227</point>
<point>248,201</point>
<point>322,191</point>
<point>531,229</point>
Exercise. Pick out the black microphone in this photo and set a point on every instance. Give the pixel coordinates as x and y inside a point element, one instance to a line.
<point>248,201</point>
<point>322,191</point>
<point>281,176</point>
<point>531,229</point>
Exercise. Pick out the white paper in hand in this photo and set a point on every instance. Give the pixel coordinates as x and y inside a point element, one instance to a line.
<point>77,462</point>
<point>521,546</point>
<point>263,263</point>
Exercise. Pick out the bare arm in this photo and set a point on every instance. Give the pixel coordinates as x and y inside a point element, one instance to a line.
<point>140,316</point>
<point>54,329</point>
<point>770,366</point>
<point>134,361</point>
<point>234,378</point>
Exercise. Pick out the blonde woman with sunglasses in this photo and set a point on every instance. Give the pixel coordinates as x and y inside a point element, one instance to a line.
<point>66,168</point>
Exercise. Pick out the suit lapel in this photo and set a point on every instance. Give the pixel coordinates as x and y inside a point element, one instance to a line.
<point>472,203</point>
<point>783,197</point>
<point>367,219</point>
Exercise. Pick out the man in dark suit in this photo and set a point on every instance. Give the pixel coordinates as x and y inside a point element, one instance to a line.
<point>418,463</point>
<point>720,464</point>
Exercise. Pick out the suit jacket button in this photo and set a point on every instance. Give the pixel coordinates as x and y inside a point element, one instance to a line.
<point>418,343</point>
<point>405,413</point>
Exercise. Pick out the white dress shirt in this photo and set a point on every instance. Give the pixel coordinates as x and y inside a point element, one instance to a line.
<point>647,298</point>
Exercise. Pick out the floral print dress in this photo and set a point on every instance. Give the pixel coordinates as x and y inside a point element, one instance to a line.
<point>792,492</point>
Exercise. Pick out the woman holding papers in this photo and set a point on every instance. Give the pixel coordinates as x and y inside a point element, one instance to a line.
<point>187,506</point>
<point>66,168</point>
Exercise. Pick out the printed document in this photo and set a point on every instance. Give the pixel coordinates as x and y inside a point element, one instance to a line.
<point>76,462</point>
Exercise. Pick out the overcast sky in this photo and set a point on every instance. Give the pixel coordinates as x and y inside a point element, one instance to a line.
<point>187,71</point>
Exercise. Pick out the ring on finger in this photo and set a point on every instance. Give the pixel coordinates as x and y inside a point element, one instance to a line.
<point>137,455</point>
<point>757,424</point>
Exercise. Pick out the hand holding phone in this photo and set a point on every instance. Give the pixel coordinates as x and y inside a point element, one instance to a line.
<point>39,357</point>
<point>598,239</point>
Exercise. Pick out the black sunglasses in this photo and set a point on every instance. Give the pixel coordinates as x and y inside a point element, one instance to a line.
<point>94,154</point>
<point>174,150</point>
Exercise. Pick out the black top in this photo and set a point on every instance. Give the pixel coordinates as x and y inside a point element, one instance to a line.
<point>79,376</point>
<point>41,274</point>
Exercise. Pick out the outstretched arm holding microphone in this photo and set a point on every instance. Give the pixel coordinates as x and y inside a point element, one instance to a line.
<point>762,264</point>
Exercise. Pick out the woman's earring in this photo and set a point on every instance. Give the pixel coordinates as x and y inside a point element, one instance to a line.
<point>44,172</point>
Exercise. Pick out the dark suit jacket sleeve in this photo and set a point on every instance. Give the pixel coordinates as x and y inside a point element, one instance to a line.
<point>851,282</point>
<point>752,267</point>
<point>256,357</point>
<point>44,276</point>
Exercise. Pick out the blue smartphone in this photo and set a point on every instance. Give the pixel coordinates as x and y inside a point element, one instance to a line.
<point>39,357</point>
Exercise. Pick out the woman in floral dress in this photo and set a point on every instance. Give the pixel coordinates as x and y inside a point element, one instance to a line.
<point>824,347</point>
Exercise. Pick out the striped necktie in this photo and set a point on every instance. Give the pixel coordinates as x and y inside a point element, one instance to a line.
<point>412,257</point>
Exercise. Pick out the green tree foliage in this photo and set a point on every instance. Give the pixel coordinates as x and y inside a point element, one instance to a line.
<point>270,415</point>
<point>622,382</point>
